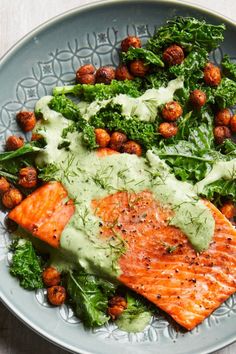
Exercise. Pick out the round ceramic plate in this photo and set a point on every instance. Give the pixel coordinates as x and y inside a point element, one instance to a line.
<point>48,57</point>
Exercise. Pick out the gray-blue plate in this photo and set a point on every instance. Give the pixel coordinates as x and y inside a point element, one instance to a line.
<point>47,57</point>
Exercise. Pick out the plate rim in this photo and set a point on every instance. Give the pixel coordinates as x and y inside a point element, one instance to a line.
<point>7,55</point>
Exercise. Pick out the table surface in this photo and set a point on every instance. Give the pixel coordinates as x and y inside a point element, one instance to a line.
<point>17,18</point>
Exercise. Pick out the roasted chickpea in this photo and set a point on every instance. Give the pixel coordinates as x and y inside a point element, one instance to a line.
<point>116,306</point>
<point>105,75</point>
<point>233,124</point>
<point>86,74</point>
<point>228,209</point>
<point>198,98</point>
<point>221,133</point>
<point>138,68</point>
<point>51,277</point>
<point>26,120</point>
<point>36,137</point>
<point>56,295</point>
<point>223,117</point>
<point>130,41</point>
<point>131,147</point>
<point>117,140</point>
<point>168,130</point>
<point>172,111</point>
<point>102,137</point>
<point>14,142</point>
<point>28,177</point>
<point>12,198</point>
<point>4,185</point>
<point>212,75</point>
<point>122,73</point>
<point>173,55</point>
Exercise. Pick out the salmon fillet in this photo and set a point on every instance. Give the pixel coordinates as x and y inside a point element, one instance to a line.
<point>160,263</point>
<point>45,212</point>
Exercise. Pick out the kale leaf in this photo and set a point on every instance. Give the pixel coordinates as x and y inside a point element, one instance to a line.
<point>229,68</point>
<point>191,159</point>
<point>220,188</point>
<point>225,93</point>
<point>187,32</point>
<point>141,53</point>
<point>110,117</point>
<point>26,265</point>
<point>90,93</point>
<point>90,295</point>
<point>89,137</point>
<point>156,80</point>
<point>66,107</point>
<point>191,69</point>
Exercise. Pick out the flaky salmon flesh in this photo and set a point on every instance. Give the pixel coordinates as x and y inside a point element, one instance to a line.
<point>159,262</point>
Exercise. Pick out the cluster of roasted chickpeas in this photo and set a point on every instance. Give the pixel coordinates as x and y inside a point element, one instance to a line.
<point>117,141</point>
<point>225,125</point>
<point>56,293</point>
<point>173,55</point>
<point>28,177</point>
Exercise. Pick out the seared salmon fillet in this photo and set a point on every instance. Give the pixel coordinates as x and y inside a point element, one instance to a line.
<point>161,264</point>
<point>45,212</point>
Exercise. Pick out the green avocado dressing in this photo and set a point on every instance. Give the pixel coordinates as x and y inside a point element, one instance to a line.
<point>221,170</point>
<point>87,177</point>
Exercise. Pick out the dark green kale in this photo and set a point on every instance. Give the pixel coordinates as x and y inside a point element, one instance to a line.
<point>187,32</point>
<point>90,295</point>
<point>26,265</point>
<point>191,69</point>
<point>191,159</point>
<point>89,137</point>
<point>228,148</point>
<point>229,68</point>
<point>90,93</point>
<point>141,53</point>
<point>225,93</point>
<point>221,188</point>
<point>66,107</point>
<point>110,117</point>
<point>156,80</point>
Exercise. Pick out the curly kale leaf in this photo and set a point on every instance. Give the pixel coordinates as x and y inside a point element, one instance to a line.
<point>66,107</point>
<point>187,32</point>
<point>26,265</point>
<point>89,137</point>
<point>229,68</point>
<point>191,159</point>
<point>191,69</point>
<point>90,295</point>
<point>141,53</point>
<point>225,93</point>
<point>219,189</point>
<point>228,148</point>
<point>110,117</point>
<point>90,93</point>
<point>156,80</point>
